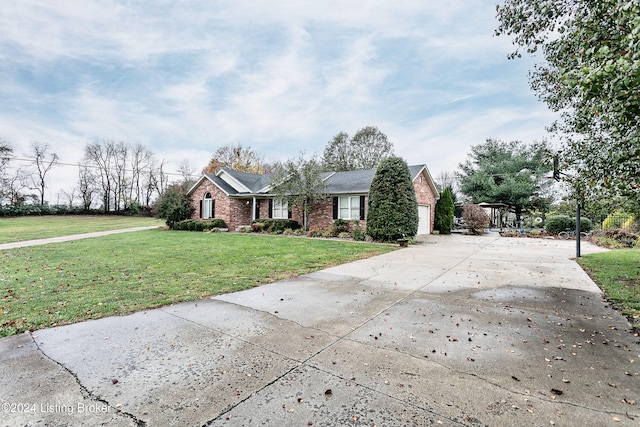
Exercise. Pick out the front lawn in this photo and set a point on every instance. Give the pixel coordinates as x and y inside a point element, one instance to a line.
<point>61,283</point>
<point>40,227</point>
<point>617,272</point>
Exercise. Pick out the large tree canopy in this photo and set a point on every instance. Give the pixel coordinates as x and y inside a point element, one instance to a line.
<point>235,157</point>
<point>591,74</point>
<point>364,150</point>
<point>512,173</point>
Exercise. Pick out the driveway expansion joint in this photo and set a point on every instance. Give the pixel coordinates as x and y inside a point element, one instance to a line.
<point>85,391</point>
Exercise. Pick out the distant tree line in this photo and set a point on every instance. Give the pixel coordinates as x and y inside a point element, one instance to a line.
<point>113,176</point>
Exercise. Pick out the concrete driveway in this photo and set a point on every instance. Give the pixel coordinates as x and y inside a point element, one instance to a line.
<point>457,330</point>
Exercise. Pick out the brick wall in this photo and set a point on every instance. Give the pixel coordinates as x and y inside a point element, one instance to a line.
<point>425,196</point>
<point>321,214</point>
<point>234,212</point>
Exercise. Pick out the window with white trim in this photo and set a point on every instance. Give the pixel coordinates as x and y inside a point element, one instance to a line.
<point>280,209</point>
<point>349,207</point>
<point>207,207</point>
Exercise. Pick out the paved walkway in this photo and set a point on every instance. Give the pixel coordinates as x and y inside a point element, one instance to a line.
<point>457,330</point>
<point>37,242</point>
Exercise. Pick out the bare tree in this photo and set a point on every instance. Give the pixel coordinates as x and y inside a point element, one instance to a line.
<point>14,186</point>
<point>140,160</point>
<point>87,185</point>
<point>447,179</point>
<point>120,175</point>
<point>43,164</point>
<point>157,181</point>
<point>235,157</point>
<point>187,170</point>
<point>124,174</point>
<point>70,196</point>
<point>100,156</point>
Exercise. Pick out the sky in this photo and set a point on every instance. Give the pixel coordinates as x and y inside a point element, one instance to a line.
<point>186,77</point>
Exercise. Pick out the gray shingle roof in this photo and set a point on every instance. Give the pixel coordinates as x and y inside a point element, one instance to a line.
<point>253,181</point>
<point>221,183</point>
<point>348,182</point>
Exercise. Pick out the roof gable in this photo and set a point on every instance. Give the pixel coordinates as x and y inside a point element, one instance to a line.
<point>219,182</point>
<point>416,170</point>
<point>245,182</point>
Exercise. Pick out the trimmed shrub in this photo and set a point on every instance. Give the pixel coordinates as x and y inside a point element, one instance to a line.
<point>340,226</point>
<point>358,232</point>
<point>276,226</point>
<point>585,224</point>
<point>314,232</point>
<point>199,224</point>
<point>393,208</point>
<point>558,223</point>
<point>37,210</point>
<point>475,219</point>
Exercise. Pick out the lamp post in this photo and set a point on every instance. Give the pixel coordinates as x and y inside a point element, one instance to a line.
<point>556,176</point>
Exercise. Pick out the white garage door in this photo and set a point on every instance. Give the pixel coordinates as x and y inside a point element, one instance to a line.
<point>424,214</point>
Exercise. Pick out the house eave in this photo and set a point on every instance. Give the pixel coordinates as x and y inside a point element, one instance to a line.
<point>199,182</point>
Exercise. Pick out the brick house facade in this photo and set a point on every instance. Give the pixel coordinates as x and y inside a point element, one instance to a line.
<point>238,198</point>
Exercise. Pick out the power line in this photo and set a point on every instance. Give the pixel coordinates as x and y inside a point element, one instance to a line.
<point>58,163</point>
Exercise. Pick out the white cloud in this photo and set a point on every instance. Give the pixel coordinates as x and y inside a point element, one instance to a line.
<point>185,78</point>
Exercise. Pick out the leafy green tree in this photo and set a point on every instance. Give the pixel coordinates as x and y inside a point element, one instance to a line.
<point>364,150</point>
<point>512,173</point>
<point>443,221</point>
<point>300,182</point>
<point>174,205</point>
<point>591,75</point>
<point>393,207</point>
<point>337,154</point>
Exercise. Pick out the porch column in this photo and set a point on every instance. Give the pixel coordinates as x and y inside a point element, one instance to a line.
<point>253,209</point>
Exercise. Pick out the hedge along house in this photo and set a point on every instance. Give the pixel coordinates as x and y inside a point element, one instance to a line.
<point>239,198</point>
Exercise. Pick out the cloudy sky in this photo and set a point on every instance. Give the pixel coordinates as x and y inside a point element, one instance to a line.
<point>186,77</point>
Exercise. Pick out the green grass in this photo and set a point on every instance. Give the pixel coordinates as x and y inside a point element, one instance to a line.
<point>61,283</point>
<point>617,272</point>
<point>41,227</point>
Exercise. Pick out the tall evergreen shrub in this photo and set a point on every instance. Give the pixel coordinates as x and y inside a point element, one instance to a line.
<point>393,207</point>
<point>443,221</point>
